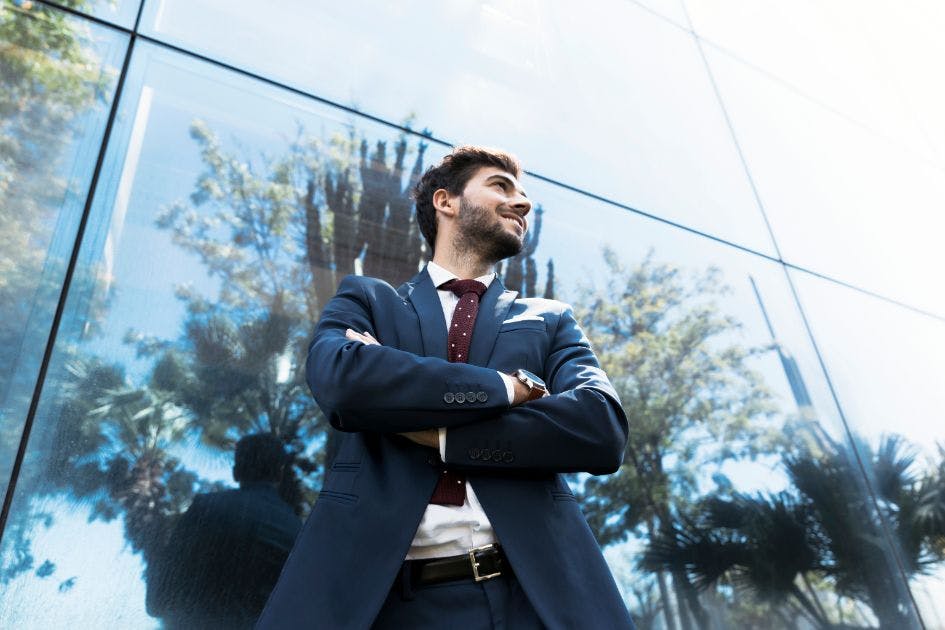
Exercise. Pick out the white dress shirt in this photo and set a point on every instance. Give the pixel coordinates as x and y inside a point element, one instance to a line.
<point>451,530</point>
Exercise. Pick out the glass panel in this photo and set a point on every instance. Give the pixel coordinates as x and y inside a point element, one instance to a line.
<point>672,10</point>
<point>839,54</point>
<point>120,12</point>
<point>740,502</point>
<point>573,89</point>
<point>841,200</point>
<point>887,365</point>
<point>57,80</point>
<point>226,213</point>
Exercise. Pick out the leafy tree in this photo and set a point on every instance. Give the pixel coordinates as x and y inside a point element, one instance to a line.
<point>693,401</point>
<point>276,235</point>
<point>50,80</point>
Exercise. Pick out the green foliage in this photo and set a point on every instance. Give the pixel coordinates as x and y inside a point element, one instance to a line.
<point>822,539</point>
<point>50,79</point>
<point>685,384</point>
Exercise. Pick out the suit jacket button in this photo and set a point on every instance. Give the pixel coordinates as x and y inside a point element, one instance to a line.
<point>474,453</point>
<point>482,397</point>
<point>448,397</point>
<point>507,457</point>
<point>460,397</point>
<point>470,397</point>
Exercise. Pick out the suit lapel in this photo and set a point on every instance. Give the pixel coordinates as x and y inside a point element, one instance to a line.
<point>422,295</point>
<point>493,308</point>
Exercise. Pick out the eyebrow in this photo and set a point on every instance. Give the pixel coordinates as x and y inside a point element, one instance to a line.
<point>508,179</point>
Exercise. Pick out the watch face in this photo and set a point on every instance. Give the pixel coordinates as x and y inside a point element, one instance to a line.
<point>533,377</point>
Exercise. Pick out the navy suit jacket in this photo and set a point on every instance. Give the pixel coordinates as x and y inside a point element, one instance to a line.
<point>378,486</point>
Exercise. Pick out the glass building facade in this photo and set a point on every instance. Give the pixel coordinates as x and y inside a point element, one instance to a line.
<point>741,199</point>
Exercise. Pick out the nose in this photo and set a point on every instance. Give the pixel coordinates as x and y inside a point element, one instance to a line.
<point>521,204</point>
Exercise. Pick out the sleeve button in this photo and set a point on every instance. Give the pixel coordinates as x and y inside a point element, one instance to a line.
<point>470,397</point>
<point>482,397</point>
<point>448,397</point>
<point>473,453</point>
<point>507,457</point>
<point>460,397</point>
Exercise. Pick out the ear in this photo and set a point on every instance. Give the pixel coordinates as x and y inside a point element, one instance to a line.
<point>444,202</point>
<point>236,476</point>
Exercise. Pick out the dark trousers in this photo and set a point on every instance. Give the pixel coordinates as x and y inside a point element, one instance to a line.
<point>496,604</point>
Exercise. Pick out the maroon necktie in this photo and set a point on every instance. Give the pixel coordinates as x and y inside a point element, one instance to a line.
<point>451,486</point>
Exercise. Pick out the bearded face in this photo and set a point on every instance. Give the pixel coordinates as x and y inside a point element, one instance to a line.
<point>486,234</point>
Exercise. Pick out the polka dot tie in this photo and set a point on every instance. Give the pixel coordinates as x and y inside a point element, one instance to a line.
<point>451,486</point>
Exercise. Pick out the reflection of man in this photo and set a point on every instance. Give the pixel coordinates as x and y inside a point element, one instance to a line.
<point>492,538</point>
<point>224,556</point>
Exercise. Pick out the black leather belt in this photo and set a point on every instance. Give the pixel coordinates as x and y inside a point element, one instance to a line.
<point>481,563</point>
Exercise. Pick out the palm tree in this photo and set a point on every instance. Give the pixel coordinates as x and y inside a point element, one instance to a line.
<point>825,532</point>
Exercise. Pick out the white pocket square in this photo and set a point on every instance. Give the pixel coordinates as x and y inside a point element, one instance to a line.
<point>524,318</point>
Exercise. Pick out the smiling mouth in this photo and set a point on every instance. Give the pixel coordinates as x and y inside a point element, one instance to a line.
<point>514,219</point>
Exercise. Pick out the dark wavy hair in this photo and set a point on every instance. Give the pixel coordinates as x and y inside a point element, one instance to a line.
<point>452,174</point>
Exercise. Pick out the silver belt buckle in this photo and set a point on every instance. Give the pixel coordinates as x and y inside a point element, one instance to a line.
<point>475,565</point>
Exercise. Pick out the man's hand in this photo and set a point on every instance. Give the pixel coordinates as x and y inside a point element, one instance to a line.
<point>521,392</point>
<point>365,337</point>
<point>427,437</point>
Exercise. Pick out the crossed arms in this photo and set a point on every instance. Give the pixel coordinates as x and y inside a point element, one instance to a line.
<point>370,387</point>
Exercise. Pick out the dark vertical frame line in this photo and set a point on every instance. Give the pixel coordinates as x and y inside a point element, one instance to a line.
<point>63,295</point>
<point>893,547</point>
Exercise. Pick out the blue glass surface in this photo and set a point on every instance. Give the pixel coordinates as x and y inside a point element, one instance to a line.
<point>608,97</point>
<point>887,366</point>
<point>57,86</point>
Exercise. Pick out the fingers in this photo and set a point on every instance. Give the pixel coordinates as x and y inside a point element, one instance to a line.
<point>365,337</point>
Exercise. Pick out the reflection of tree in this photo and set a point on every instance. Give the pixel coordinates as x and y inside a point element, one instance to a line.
<point>689,393</point>
<point>275,236</point>
<point>822,535</point>
<point>49,80</point>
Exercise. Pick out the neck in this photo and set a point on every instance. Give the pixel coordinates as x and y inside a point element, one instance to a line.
<point>465,266</point>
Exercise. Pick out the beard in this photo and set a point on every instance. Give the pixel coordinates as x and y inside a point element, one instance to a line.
<point>483,235</point>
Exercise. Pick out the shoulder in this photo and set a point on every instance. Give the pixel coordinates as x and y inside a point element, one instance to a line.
<point>365,283</point>
<point>367,288</point>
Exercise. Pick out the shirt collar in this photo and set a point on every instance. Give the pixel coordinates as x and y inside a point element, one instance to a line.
<point>439,275</point>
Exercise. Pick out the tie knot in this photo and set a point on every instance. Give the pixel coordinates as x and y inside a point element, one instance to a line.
<point>462,287</point>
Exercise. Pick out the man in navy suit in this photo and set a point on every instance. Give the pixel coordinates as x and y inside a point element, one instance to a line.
<point>224,555</point>
<point>461,405</point>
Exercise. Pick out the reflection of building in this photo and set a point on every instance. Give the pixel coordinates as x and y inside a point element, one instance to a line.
<point>791,370</point>
<point>213,164</point>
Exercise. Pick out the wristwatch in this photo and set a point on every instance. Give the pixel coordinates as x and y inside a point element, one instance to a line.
<point>536,386</point>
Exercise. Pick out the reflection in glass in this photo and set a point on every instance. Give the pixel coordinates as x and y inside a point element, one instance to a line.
<point>888,368</point>
<point>740,503</point>
<point>861,209</point>
<point>226,213</point>
<point>224,554</point>
<point>57,79</point>
<point>573,89</point>
<point>119,12</point>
